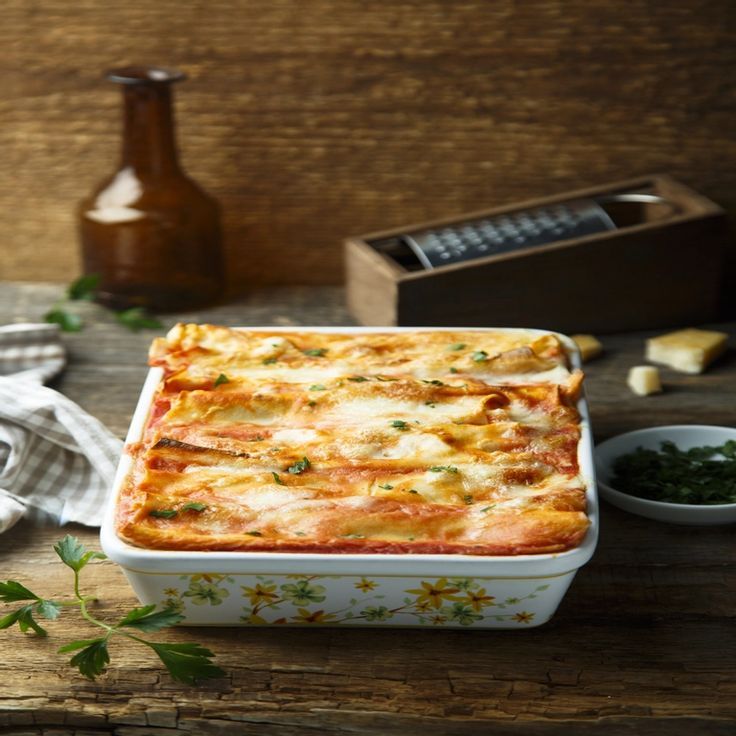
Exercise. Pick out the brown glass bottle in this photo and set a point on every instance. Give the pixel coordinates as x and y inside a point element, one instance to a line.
<point>149,232</point>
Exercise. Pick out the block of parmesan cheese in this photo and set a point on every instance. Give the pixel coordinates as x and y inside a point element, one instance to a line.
<point>643,380</point>
<point>588,346</point>
<point>689,351</point>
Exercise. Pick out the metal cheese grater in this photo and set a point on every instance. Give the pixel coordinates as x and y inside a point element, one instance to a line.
<point>510,232</point>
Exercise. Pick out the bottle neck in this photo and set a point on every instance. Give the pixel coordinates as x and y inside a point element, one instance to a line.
<point>148,130</point>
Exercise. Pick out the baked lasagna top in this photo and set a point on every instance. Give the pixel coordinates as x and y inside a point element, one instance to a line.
<point>460,442</point>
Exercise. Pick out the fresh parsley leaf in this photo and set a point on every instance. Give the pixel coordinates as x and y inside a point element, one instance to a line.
<point>136,318</point>
<point>457,346</point>
<point>194,506</point>
<point>75,555</point>
<point>400,424</point>
<point>66,320</point>
<point>12,590</point>
<point>84,287</point>
<point>479,356</point>
<point>357,379</point>
<point>187,662</point>
<point>300,466</point>
<point>48,609</point>
<point>317,387</point>
<point>385,486</point>
<point>163,513</point>
<point>24,618</point>
<point>316,352</point>
<point>443,469</point>
<point>222,378</point>
<point>488,508</point>
<point>148,619</point>
<point>277,478</point>
<point>93,658</point>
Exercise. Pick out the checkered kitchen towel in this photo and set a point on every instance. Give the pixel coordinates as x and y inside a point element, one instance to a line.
<point>56,461</point>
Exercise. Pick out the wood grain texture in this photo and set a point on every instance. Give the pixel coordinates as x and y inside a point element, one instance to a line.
<point>313,121</point>
<point>642,643</point>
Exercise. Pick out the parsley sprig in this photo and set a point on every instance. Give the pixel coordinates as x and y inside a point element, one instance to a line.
<point>701,475</point>
<point>85,289</point>
<point>186,662</point>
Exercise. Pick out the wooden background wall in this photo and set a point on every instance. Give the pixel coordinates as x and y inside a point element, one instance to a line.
<point>314,119</point>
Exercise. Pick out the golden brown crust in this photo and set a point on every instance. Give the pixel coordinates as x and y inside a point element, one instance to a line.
<point>422,442</point>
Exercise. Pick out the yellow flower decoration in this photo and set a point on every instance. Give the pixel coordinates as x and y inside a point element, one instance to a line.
<point>434,594</point>
<point>439,619</point>
<point>366,585</point>
<point>260,594</point>
<point>478,599</point>
<point>171,592</point>
<point>313,617</point>
<point>523,617</point>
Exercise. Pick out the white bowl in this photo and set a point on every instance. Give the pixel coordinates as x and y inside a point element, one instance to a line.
<point>684,436</point>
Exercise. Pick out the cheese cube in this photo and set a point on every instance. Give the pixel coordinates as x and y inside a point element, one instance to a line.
<point>588,346</point>
<point>689,351</point>
<point>644,380</point>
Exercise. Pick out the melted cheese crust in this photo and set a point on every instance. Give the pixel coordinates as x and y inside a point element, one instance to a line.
<point>413,442</point>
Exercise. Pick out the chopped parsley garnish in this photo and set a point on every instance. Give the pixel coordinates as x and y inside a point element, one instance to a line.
<point>269,361</point>
<point>701,475</point>
<point>300,466</point>
<point>385,486</point>
<point>300,534</point>
<point>453,369</point>
<point>386,378</point>
<point>430,404</point>
<point>194,506</point>
<point>468,499</point>
<point>357,379</point>
<point>443,469</point>
<point>457,346</point>
<point>400,424</point>
<point>479,356</point>
<point>488,508</point>
<point>412,490</point>
<point>434,382</point>
<point>277,478</point>
<point>311,404</point>
<point>254,533</point>
<point>222,378</point>
<point>316,352</point>
<point>317,387</point>
<point>163,513</point>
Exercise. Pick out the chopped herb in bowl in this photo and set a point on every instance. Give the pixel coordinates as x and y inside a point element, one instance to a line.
<point>699,476</point>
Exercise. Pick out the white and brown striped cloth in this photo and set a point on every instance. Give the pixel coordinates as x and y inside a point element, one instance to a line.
<point>56,461</point>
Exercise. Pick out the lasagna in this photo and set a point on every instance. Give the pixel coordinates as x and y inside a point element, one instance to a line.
<point>411,442</point>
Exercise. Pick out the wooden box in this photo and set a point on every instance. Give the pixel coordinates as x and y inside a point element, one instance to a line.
<point>654,270</point>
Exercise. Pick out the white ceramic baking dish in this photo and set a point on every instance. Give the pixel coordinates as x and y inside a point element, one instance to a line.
<point>271,588</point>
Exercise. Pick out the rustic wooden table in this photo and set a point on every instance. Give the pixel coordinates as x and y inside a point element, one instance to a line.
<point>644,642</point>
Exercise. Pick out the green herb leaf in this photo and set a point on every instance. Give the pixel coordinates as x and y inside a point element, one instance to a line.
<point>136,318</point>
<point>385,486</point>
<point>222,378</point>
<point>163,513</point>
<point>187,662</point>
<point>316,352</point>
<point>357,379</point>
<point>84,287</point>
<point>147,618</point>
<point>92,660</point>
<point>67,321</point>
<point>24,618</point>
<point>194,506</point>
<point>48,609</point>
<point>434,382</point>
<point>12,590</point>
<point>386,378</point>
<point>488,508</point>
<point>317,387</point>
<point>457,346</point>
<point>453,369</point>
<point>277,478</point>
<point>412,490</point>
<point>479,356</point>
<point>701,475</point>
<point>75,555</point>
<point>400,424</point>
<point>269,361</point>
<point>254,533</point>
<point>443,469</point>
<point>311,404</point>
<point>468,499</point>
<point>300,466</point>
